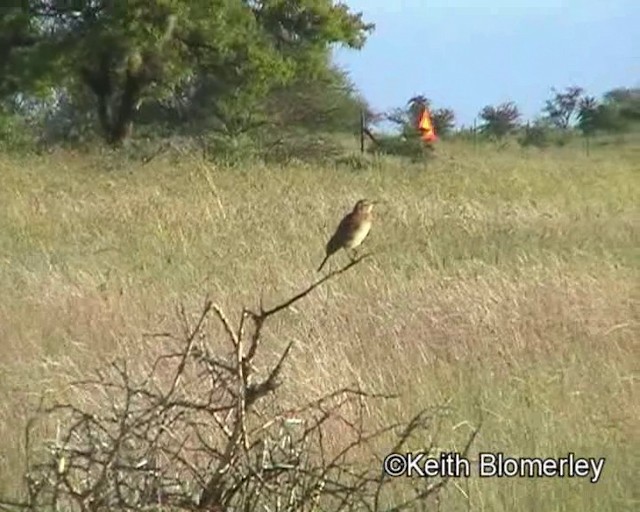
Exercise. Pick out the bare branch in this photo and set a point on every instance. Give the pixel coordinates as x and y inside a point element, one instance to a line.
<point>200,430</point>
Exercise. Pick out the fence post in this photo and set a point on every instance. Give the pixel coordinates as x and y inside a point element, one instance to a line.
<point>587,138</point>
<point>475,133</point>
<point>362,131</point>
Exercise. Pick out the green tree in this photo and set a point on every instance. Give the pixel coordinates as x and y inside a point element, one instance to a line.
<point>327,102</point>
<point>563,108</point>
<point>626,101</point>
<point>535,134</point>
<point>17,35</point>
<point>126,52</point>
<point>444,121</point>
<point>606,116</point>
<point>499,120</point>
<point>406,119</point>
<point>589,115</point>
<point>415,106</point>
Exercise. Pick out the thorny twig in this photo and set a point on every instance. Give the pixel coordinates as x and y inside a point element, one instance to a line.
<point>197,433</point>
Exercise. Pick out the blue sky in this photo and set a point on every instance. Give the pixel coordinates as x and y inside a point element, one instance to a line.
<point>468,54</point>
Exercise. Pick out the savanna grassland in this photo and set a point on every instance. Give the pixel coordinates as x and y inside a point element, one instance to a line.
<point>501,282</point>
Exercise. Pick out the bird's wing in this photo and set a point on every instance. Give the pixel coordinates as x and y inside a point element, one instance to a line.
<point>346,224</point>
<point>343,229</point>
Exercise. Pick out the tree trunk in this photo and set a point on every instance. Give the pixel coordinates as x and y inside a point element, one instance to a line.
<point>115,108</point>
<point>122,123</point>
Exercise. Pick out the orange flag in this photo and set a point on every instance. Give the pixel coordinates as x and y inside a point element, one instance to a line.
<point>426,126</point>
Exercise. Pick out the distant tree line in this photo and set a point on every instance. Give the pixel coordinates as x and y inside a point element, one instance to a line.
<point>567,111</point>
<point>230,70</point>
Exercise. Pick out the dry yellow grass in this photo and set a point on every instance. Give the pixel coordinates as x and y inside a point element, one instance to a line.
<point>506,278</point>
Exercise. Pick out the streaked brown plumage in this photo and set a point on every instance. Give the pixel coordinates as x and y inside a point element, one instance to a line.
<point>352,230</point>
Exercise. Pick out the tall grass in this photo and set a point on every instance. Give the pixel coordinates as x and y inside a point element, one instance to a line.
<point>508,279</point>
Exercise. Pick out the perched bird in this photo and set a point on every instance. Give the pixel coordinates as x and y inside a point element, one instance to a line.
<point>352,230</point>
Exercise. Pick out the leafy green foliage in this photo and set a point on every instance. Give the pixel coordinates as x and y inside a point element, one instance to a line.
<point>627,100</point>
<point>406,119</point>
<point>408,143</point>
<point>21,66</point>
<point>608,116</point>
<point>535,135</point>
<point>329,103</point>
<point>444,121</point>
<point>500,120</point>
<point>14,134</point>
<point>563,108</point>
<point>589,115</point>
<point>414,110</point>
<point>409,146</point>
<point>130,52</point>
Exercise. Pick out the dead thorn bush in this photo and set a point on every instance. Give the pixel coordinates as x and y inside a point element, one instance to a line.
<point>201,431</point>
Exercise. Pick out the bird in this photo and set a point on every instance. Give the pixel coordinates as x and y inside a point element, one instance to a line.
<point>352,230</point>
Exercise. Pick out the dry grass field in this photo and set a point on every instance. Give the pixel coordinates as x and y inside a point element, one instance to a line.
<point>504,280</point>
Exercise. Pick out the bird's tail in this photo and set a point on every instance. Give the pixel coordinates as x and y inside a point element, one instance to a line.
<point>323,262</point>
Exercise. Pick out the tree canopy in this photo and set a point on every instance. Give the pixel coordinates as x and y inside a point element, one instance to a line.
<point>563,108</point>
<point>125,52</point>
<point>500,120</point>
